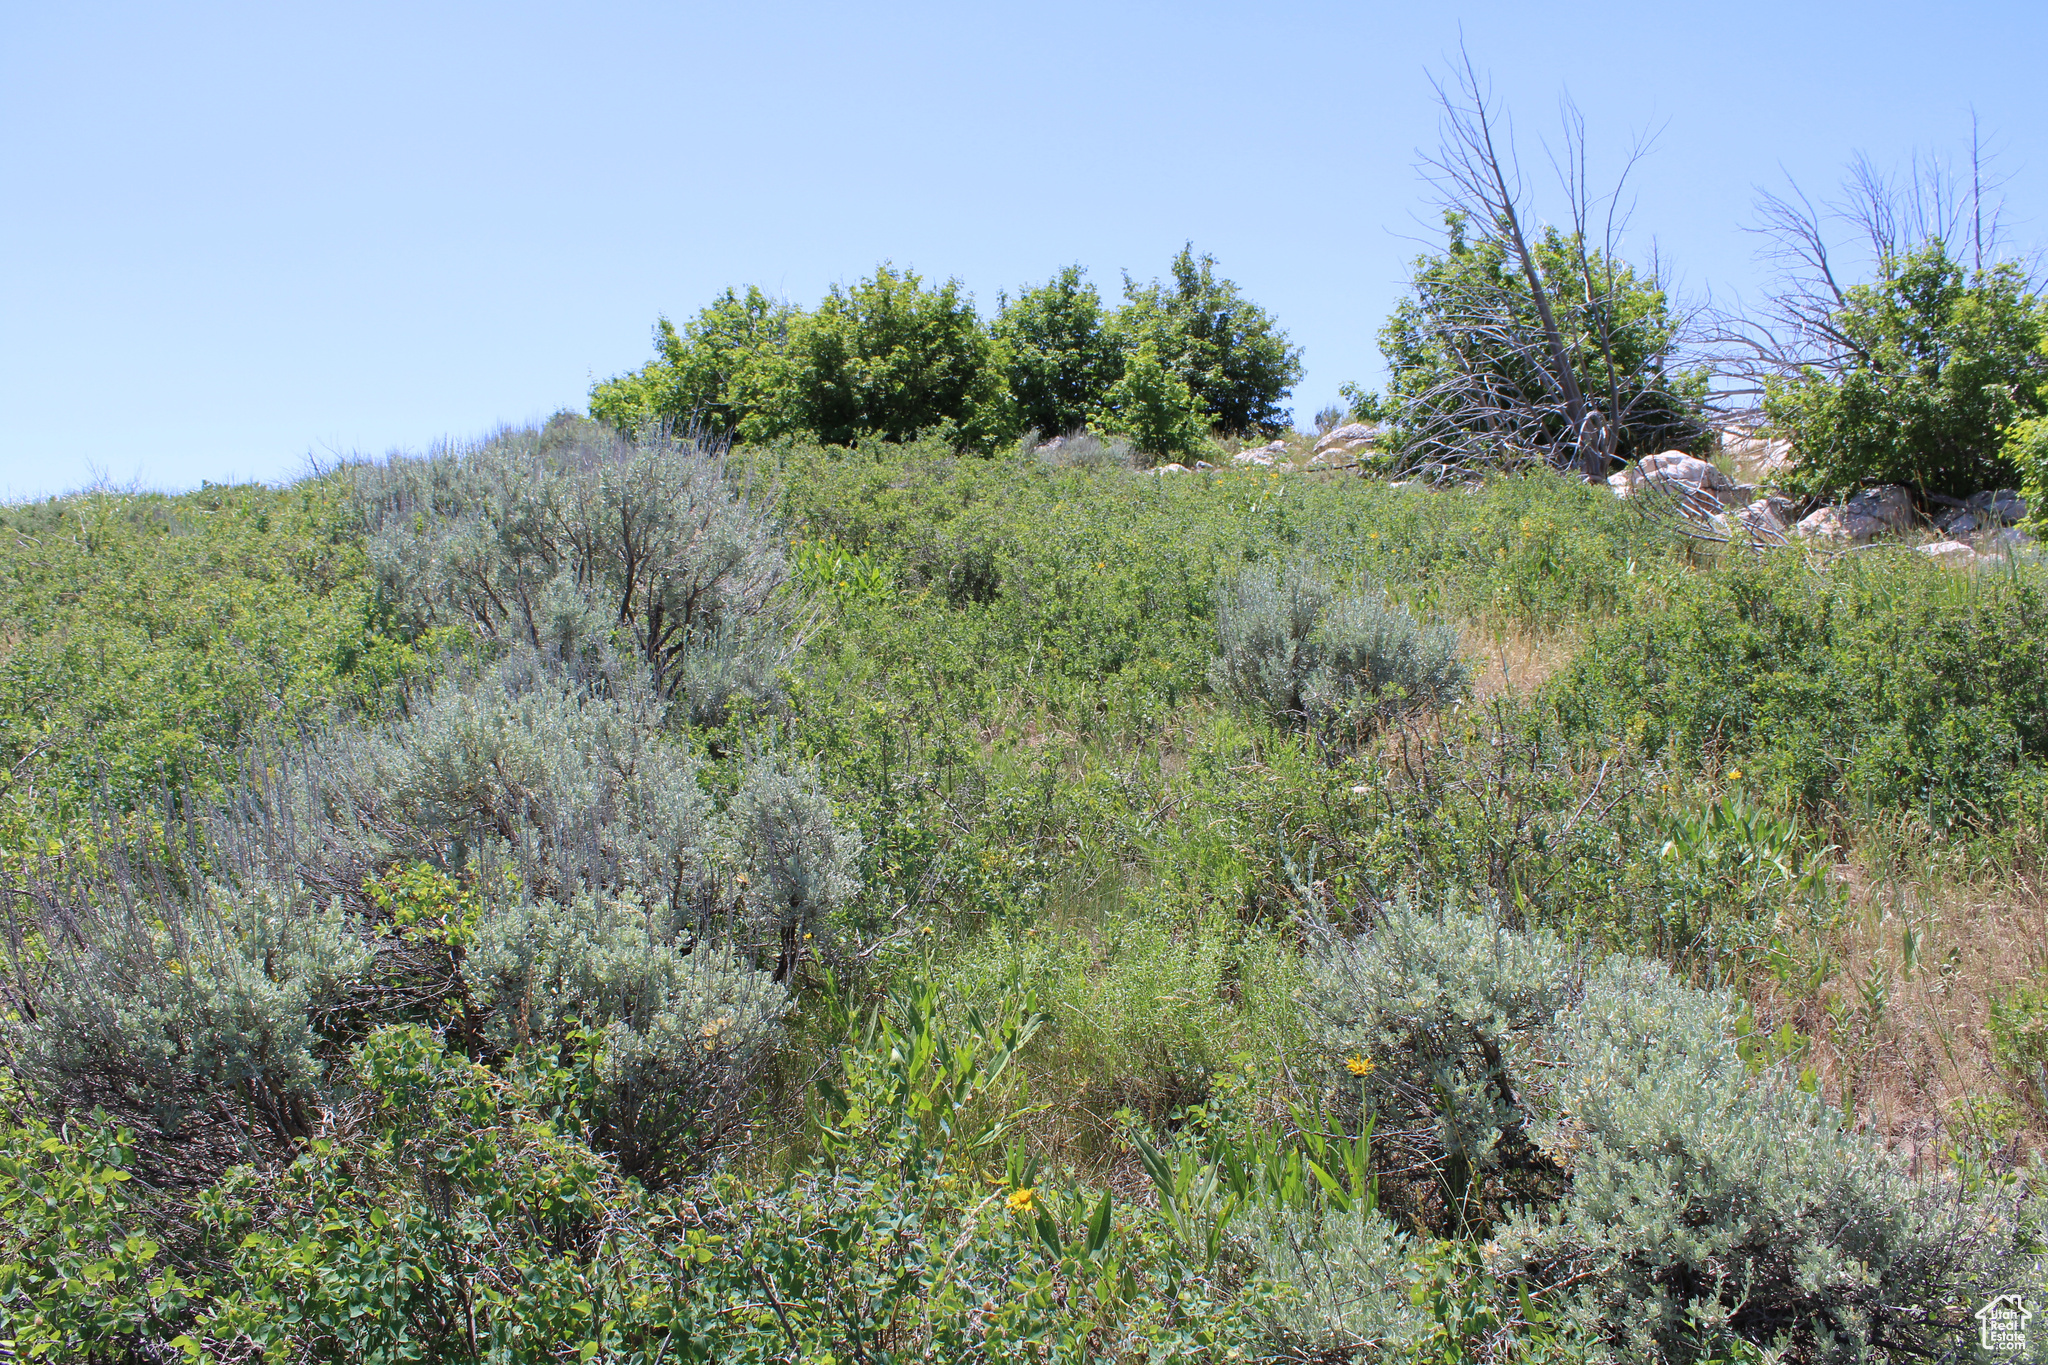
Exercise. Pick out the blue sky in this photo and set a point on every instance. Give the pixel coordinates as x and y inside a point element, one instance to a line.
<point>239,235</point>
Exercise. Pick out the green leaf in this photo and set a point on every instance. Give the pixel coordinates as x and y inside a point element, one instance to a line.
<point>1098,1227</point>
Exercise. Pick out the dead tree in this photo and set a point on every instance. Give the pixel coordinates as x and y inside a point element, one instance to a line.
<point>1811,247</point>
<point>1529,354</point>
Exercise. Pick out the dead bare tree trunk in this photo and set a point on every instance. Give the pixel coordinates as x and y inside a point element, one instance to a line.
<point>1524,317</point>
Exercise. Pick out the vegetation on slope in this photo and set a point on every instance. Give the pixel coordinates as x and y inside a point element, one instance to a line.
<point>621,902</point>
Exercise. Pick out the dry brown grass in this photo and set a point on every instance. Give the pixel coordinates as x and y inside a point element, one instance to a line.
<point>1511,660</point>
<point>1923,1075</point>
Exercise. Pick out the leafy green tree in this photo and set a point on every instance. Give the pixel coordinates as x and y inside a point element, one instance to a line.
<point>2026,446</point>
<point>1940,365</point>
<point>1154,407</point>
<point>887,357</point>
<point>1471,372</point>
<point>1226,349</point>
<point>1062,360</point>
<point>694,378</point>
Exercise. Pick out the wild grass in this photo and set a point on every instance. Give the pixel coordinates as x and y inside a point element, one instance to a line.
<point>1035,811</point>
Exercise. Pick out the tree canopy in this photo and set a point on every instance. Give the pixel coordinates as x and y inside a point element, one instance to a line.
<point>1471,371</point>
<point>1940,366</point>
<point>892,356</point>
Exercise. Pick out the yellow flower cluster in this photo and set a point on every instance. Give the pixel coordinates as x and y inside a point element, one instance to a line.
<point>1022,1200</point>
<point>1359,1066</point>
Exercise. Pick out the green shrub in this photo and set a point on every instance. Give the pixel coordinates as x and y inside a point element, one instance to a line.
<point>706,375</point>
<point>2026,448</point>
<point>1885,684</point>
<point>461,1218</point>
<point>81,1279</point>
<point>561,550</point>
<point>1301,653</point>
<point>149,637</point>
<point>1061,359</point>
<point>1225,350</point>
<point>1708,1198</point>
<point>1940,365</point>
<point>886,357</point>
<point>1155,408</point>
<point>2019,1039</point>
<point>1431,1019</point>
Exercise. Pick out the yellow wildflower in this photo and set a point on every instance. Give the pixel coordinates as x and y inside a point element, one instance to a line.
<point>1359,1066</point>
<point>1735,774</point>
<point>1022,1200</point>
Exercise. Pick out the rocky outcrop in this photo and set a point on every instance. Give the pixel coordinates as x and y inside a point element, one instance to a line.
<point>1948,552</point>
<point>1349,439</point>
<point>1674,468</point>
<point>1863,518</point>
<point>1265,456</point>
<point>1986,511</point>
<point>1757,456</point>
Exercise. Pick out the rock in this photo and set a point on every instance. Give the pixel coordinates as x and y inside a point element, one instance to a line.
<point>1761,456</point>
<point>2011,540</point>
<point>1349,437</point>
<point>1997,507</point>
<point>1273,452</point>
<point>1948,552</point>
<point>1958,521</point>
<point>1762,520</point>
<point>1203,464</point>
<point>1674,468</point>
<point>1865,517</point>
<point>1171,469</point>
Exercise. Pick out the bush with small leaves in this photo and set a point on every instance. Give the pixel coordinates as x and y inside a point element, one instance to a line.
<point>1430,1018</point>
<point>1081,450</point>
<point>157,1003</point>
<point>674,1030</point>
<point>800,858</point>
<point>1710,1196</point>
<point>1341,1279</point>
<point>651,541</point>
<point>1297,650</point>
<point>513,767</point>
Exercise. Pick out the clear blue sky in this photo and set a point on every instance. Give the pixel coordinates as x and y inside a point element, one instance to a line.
<point>236,235</point>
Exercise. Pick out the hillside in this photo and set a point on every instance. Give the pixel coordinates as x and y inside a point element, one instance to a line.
<point>566,898</point>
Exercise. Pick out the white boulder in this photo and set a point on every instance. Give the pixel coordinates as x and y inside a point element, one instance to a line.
<point>1670,467</point>
<point>1349,437</point>
<point>1948,552</point>
<point>1865,517</point>
<point>1756,455</point>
